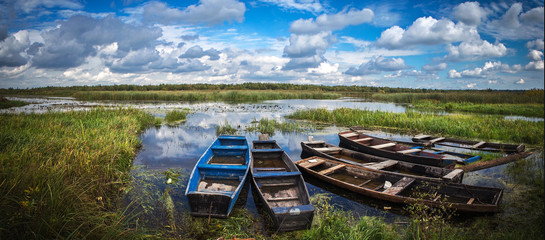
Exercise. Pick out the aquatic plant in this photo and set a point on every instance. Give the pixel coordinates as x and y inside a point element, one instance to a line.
<point>175,116</point>
<point>527,109</point>
<point>5,103</point>
<point>269,126</point>
<point>225,129</point>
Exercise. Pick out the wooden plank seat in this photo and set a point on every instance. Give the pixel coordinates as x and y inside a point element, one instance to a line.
<point>422,136</point>
<point>331,169</point>
<point>271,169</point>
<point>363,183</point>
<point>278,184</point>
<point>437,139</point>
<point>453,174</point>
<point>477,145</point>
<point>309,164</point>
<point>399,186</point>
<point>282,198</point>
<point>409,151</point>
<point>385,145</point>
<point>363,139</point>
<point>347,135</point>
<point>382,165</point>
<point>328,149</point>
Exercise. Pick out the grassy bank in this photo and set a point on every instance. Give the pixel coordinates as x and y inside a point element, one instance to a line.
<point>490,128</point>
<point>513,97</point>
<point>527,110</point>
<point>4,103</point>
<point>61,173</point>
<point>194,96</point>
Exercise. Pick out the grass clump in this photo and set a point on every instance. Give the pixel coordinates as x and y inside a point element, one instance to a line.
<point>269,126</point>
<point>456,125</point>
<point>226,129</point>
<point>5,103</point>
<point>175,116</point>
<point>61,173</point>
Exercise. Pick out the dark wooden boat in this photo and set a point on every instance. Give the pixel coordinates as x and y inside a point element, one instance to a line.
<point>389,149</point>
<point>280,187</point>
<point>428,140</point>
<point>403,190</point>
<point>329,151</point>
<point>218,177</point>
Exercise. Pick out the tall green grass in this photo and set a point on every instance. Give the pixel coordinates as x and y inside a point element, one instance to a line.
<point>175,116</point>
<point>530,96</point>
<point>194,96</point>
<point>528,109</point>
<point>493,128</point>
<point>4,103</point>
<point>61,173</point>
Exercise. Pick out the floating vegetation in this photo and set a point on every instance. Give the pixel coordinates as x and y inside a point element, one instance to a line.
<point>175,116</point>
<point>455,125</point>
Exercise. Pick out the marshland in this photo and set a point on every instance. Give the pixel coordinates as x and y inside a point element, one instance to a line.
<point>113,161</point>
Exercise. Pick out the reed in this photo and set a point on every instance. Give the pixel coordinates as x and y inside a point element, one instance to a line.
<point>527,110</point>
<point>530,96</point>
<point>198,96</point>
<point>488,128</point>
<point>61,173</point>
<point>269,126</point>
<point>175,116</point>
<point>5,103</point>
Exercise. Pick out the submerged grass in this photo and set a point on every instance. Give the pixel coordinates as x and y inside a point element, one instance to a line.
<point>527,110</point>
<point>61,173</point>
<point>456,125</point>
<point>197,96</point>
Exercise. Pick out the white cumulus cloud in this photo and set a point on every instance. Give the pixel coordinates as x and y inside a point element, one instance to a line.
<point>331,22</point>
<point>470,13</point>
<point>475,50</point>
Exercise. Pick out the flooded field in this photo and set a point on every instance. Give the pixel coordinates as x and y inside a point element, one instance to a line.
<point>161,169</point>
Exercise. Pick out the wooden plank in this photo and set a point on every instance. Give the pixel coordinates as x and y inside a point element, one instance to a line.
<point>325,149</point>
<point>399,186</point>
<point>471,200</point>
<point>283,199</point>
<point>409,151</point>
<point>347,135</point>
<point>383,145</point>
<point>478,144</point>
<point>382,165</point>
<point>331,169</point>
<point>308,164</point>
<point>363,139</point>
<point>270,169</point>
<point>453,174</point>
<point>421,136</point>
<point>437,139</point>
<point>363,183</point>
<point>277,184</point>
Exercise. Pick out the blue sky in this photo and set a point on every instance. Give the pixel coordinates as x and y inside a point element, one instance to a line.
<point>434,44</point>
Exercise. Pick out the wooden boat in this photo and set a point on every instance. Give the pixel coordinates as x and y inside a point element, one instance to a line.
<point>329,151</point>
<point>280,187</point>
<point>218,177</point>
<point>428,140</point>
<point>389,149</point>
<point>401,189</point>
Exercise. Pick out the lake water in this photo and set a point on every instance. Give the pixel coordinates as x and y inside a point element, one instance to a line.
<point>172,151</point>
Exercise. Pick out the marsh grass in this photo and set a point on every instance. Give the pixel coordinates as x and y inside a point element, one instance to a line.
<point>5,103</point>
<point>201,96</point>
<point>490,128</point>
<point>527,109</point>
<point>269,126</point>
<point>513,97</point>
<point>61,173</point>
<point>176,116</point>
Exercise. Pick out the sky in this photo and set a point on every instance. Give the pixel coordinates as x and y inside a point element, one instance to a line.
<point>432,44</point>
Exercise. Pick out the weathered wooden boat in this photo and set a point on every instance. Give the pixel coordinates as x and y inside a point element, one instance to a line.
<point>218,177</point>
<point>329,151</point>
<point>390,149</point>
<point>428,140</point>
<point>401,189</point>
<point>280,187</point>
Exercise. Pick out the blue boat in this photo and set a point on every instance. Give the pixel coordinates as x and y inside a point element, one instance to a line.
<point>218,177</point>
<point>280,187</point>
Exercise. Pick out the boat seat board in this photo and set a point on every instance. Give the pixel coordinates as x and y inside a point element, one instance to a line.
<point>383,145</point>
<point>287,184</point>
<point>308,164</point>
<point>421,136</point>
<point>451,175</point>
<point>382,165</point>
<point>477,145</point>
<point>326,149</point>
<point>363,139</point>
<point>347,135</point>
<point>409,151</point>
<point>270,169</point>
<point>282,199</point>
<point>314,142</point>
<point>331,169</point>
<point>363,183</point>
<point>437,139</point>
<point>399,186</point>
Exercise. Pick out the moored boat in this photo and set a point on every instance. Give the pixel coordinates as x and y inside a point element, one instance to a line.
<point>428,140</point>
<point>402,189</point>
<point>280,187</point>
<point>218,177</point>
<point>329,151</point>
<point>390,149</point>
